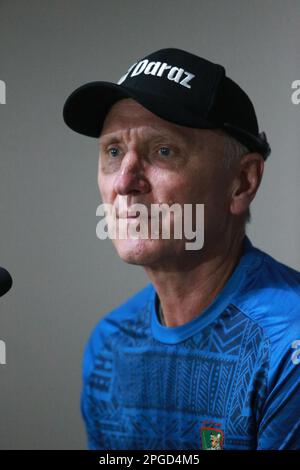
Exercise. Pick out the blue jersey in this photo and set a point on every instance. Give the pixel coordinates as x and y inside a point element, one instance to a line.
<point>228,379</point>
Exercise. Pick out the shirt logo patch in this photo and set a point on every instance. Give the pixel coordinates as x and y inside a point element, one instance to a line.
<point>212,437</point>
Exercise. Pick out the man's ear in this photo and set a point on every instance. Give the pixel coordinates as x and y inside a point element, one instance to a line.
<point>247,179</point>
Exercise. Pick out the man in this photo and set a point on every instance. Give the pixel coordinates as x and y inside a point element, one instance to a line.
<point>210,345</point>
<point>215,442</point>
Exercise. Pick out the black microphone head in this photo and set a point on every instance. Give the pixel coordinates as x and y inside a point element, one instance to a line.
<point>5,281</point>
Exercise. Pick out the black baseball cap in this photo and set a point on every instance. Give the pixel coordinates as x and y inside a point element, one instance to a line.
<point>177,86</point>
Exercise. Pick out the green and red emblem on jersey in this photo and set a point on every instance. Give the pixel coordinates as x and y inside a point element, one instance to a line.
<point>212,436</point>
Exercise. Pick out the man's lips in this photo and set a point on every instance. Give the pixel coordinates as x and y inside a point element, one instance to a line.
<point>132,216</point>
<point>127,216</point>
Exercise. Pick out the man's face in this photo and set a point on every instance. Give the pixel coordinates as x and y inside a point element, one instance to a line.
<point>214,441</point>
<point>148,160</point>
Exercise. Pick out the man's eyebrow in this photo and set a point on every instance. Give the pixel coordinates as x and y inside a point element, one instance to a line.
<point>154,133</point>
<point>109,138</point>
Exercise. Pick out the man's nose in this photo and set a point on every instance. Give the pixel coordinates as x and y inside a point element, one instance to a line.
<point>131,176</point>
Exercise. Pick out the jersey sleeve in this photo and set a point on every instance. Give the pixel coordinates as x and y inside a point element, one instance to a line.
<point>279,428</point>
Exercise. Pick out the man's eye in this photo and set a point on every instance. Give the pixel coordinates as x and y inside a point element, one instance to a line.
<point>113,152</point>
<point>165,151</point>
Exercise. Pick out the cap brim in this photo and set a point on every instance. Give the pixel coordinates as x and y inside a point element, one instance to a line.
<point>86,108</point>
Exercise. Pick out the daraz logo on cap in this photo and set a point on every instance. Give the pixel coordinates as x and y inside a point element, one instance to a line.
<point>157,69</point>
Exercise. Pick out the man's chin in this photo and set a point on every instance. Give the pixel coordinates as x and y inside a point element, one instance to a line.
<point>140,252</point>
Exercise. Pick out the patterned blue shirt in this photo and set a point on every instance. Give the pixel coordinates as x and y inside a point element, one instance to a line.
<point>228,379</point>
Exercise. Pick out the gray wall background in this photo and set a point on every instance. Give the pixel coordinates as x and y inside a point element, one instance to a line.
<point>65,279</point>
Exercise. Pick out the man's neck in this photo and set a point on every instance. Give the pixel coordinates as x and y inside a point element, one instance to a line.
<point>184,295</point>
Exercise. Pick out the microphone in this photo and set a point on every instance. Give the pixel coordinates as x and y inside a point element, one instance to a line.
<point>5,281</point>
